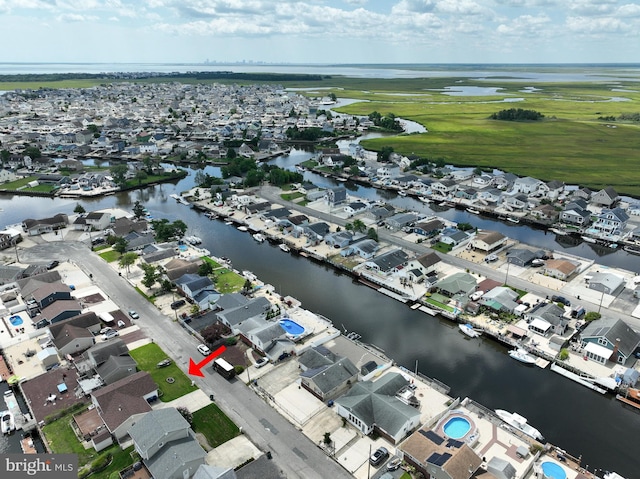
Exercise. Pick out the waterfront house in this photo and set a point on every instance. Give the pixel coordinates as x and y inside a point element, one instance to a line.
<point>198,289</point>
<point>7,175</point>
<point>545,212</point>
<point>137,241</point>
<point>342,238</point>
<point>500,298</point>
<point>576,213</point>
<point>315,232</point>
<point>178,267</point>
<point>484,180</point>
<point>504,181</point>
<point>458,284</point>
<point>453,236</point>
<point>234,316</point>
<point>609,339</point>
<point>259,207</point>
<point>428,262</point>
<point>365,248</point>
<point>276,214</point>
<point>444,187</point>
<point>606,197</point>
<point>401,220</point>
<point>560,268</point>
<point>461,174</point>
<point>547,318</point>
<point>611,222</point>
<point>467,193</point>
<point>491,196</point>
<point>45,225</point>
<point>124,403</point>
<point>607,283</point>
<point>9,237</point>
<point>438,457</point>
<point>518,201</point>
<point>153,253</point>
<point>336,196</point>
<point>167,445</point>
<point>488,241</point>
<point>324,374</point>
<point>523,257</point>
<point>267,337</point>
<point>528,186</point>
<point>429,227</point>
<point>373,406</point>
<point>387,263</point>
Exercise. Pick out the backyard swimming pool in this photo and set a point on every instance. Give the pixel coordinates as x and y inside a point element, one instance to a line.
<point>456,427</point>
<point>15,320</point>
<point>291,327</point>
<point>551,470</point>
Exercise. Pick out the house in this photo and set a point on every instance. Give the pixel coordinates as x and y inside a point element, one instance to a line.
<point>453,236</point>
<point>583,193</point>
<point>461,174</point>
<point>389,262</point>
<point>547,318</point>
<point>233,317</point>
<point>553,189</point>
<point>545,212</point>
<point>607,283</point>
<point>380,213</point>
<point>466,193</point>
<point>45,225</point>
<point>98,221</point>
<point>523,257</point>
<point>606,197</point>
<point>267,337</point>
<point>178,267</point>
<point>457,284</point>
<point>315,231</point>
<point>401,220</point>
<point>576,213</point>
<point>116,368</point>
<point>560,268</point>
<point>439,457</point>
<point>124,403</point>
<point>505,181</point>
<point>365,248</point>
<point>373,406</point>
<point>443,187</point>
<point>528,186</point>
<point>167,445</point>
<point>136,241</point>
<point>611,221</point>
<point>483,180</point>
<point>198,289</point>
<point>58,311</point>
<point>342,238</point>
<point>428,261</point>
<point>10,274</point>
<point>490,196</point>
<point>610,340</point>
<point>355,207</point>
<point>72,340</point>
<point>516,202</point>
<point>325,374</point>
<point>488,241</point>
<point>51,292</point>
<point>428,228</point>
<point>501,298</point>
<point>336,196</point>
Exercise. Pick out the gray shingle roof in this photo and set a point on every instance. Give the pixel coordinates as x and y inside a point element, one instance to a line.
<point>155,425</point>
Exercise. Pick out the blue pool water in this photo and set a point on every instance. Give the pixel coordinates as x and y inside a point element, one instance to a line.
<point>15,320</point>
<point>456,427</point>
<point>551,470</point>
<point>182,247</point>
<point>291,327</point>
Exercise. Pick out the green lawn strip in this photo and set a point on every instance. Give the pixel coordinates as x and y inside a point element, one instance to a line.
<point>227,281</point>
<point>110,256</point>
<point>14,185</point>
<point>213,263</point>
<point>438,304</point>
<point>291,196</point>
<point>148,357</point>
<point>40,189</point>
<point>441,247</point>
<point>145,295</point>
<point>62,439</point>
<point>214,425</point>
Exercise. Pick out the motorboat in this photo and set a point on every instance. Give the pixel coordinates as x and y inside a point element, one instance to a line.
<point>284,247</point>
<point>513,219</point>
<point>424,199</point>
<point>520,423</point>
<point>243,228</point>
<point>7,422</point>
<point>469,330</point>
<point>473,211</point>
<point>522,355</point>
<point>258,237</point>
<point>194,240</point>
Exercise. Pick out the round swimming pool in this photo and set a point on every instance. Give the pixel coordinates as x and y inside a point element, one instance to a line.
<point>457,427</point>
<point>15,320</point>
<point>551,470</point>
<point>291,327</point>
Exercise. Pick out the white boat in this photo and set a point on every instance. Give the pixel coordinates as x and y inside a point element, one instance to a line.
<point>243,228</point>
<point>194,240</point>
<point>258,237</point>
<point>284,247</point>
<point>7,422</point>
<point>558,231</point>
<point>402,193</point>
<point>588,239</point>
<point>473,211</point>
<point>469,330</point>
<point>513,220</point>
<point>520,423</point>
<point>522,355</point>
<point>424,199</point>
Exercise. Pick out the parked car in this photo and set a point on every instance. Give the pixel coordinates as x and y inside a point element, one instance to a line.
<point>178,303</point>
<point>560,299</point>
<point>164,363</point>
<point>133,314</point>
<point>379,456</point>
<point>53,264</point>
<point>261,362</point>
<point>204,349</point>
<point>394,464</point>
<point>112,333</point>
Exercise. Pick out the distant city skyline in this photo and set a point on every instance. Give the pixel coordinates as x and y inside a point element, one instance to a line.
<point>321,31</point>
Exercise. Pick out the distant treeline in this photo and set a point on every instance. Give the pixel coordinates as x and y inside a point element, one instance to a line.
<point>220,75</point>
<point>517,114</point>
<point>623,117</point>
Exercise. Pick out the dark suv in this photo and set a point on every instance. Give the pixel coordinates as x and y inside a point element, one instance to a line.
<point>379,456</point>
<point>177,304</point>
<point>560,299</point>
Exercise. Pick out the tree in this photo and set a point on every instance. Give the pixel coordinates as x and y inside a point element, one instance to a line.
<point>119,172</point>
<point>79,209</point>
<point>120,245</point>
<point>151,274</point>
<point>384,154</point>
<point>247,286</point>
<point>186,414</point>
<point>32,152</point>
<point>205,269</point>
<point>372,234</point>
<point>126,260</point>
<point>333,97</point>
<point>141,175</point>
<point>5,155</point>
<point>165,231</point>
<point>231,153</point>
<point>564,354</point>
<point>359,226</point>
<point>138,210</point>
<point>592,316</point>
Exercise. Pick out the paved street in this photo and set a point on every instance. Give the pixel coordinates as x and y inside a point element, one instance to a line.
<point>295,455</point>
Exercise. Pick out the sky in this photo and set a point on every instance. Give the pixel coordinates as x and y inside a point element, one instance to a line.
<point>320,31</point>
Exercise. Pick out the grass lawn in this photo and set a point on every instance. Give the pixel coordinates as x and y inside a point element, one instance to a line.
<point>213,263</point>
<point>110,256</point>
<point>148,357</point>
<point>214,425</point>
<point>227,281</point>
<point>41,189</point>
<point>291,196</point>
<point>62,439</point>
<point>440,305</point>
<point>442,247</point>
<point>14,185</point>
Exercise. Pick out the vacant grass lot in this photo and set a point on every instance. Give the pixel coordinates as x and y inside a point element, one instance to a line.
<point>148,357</point>
<point>110,256</point>
<point>214,425</point>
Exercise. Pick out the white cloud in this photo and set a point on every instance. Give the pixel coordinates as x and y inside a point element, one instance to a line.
<point>628,10</point>
<point>592,7</point>
<point>525,25</point>
<point>76,17</point>
<point>596,26</point>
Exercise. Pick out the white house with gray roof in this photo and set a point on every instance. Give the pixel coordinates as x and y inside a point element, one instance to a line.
<point>610,339</point>
<point>235,316</point>
<point>388,262</point>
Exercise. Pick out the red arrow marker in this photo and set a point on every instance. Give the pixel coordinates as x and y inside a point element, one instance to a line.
<point>194,369</point>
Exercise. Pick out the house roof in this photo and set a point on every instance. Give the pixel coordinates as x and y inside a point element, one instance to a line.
<point>100,352</point>
<point>367,246</point>
<point>564,266</point>
<point>154,426</point>
<point>326,378</point>
<point>60,306</point>
<point>254,307</point>
<point>457,283</point>
<point>374,403</point>
<point>613,329</point>
<point>428,259</point>
<point>609,280</point>
<point>116,366</point>
<point>549,312</point>
<point>84,321</point>
<point>69,333</point>
<point>48,289</point>
<point>173,458</point>
<point>431,225</point>
<point>29,285</point>
<point>390,260</point>
<point>124,398</point>
<point>490,237</point>
<point>316,357</point>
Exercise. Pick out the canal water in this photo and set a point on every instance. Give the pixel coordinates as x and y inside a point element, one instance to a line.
<point>575,418</point>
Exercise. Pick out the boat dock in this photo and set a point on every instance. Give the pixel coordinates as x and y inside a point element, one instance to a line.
<point>574,377</point>
<point>22,420</point>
